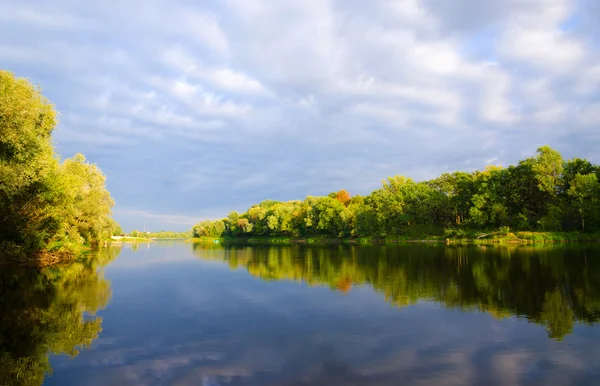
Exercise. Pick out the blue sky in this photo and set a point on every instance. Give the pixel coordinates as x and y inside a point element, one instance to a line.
<point>196,108</point>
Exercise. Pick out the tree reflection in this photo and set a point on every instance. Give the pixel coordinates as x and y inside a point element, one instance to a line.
<point>553,286</point>
<point>49,311</point>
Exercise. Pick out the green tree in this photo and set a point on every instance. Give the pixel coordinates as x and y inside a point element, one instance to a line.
<point>328,213</point>
<point>585,193</point>
<point>548,167</point>
<point>209,228</point>
<point>488,202</point>
<point>86,202</point>
<point>532,195</point>
<point>44,206</point>
<point>27,165</point>
<point>573,167</point>
<point>458,189</point>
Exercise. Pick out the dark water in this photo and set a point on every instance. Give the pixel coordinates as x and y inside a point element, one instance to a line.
<point>179,314</point>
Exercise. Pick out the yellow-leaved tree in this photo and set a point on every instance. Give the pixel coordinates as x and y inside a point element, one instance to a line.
<point>45,206</point>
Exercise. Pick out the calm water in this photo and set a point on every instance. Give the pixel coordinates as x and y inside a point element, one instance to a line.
<point>183,314</point>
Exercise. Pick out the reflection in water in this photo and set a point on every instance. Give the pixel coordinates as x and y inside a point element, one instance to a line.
<point>552,286</point>
<point>176,319</point>
<point>49,310</point>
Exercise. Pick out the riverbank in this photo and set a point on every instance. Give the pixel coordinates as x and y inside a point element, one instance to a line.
<point>127,239</point>
<point>472,238</point>
<point>13,254</point>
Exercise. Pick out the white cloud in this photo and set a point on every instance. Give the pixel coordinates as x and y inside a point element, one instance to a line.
<point>41,15</point>
<point>183,89</point>
<point>495,103</point>
<point>439,57</point>
<point>223,78</point>
<point>235,81</point>
<point>551,49</point>
<point>305,95</point>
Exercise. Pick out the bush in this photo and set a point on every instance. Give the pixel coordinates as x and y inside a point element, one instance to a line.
<point>504,230</point>
<point>454,233</point>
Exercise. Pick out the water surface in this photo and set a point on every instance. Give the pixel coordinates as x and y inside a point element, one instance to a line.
<point>184,314</point>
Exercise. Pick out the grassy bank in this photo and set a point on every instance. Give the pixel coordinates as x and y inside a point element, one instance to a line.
<point>12,253</point>
<point>127,239</point>
<point>502,236</point>
<point>505,235</point>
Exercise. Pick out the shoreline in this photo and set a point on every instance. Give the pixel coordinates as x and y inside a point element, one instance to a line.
<point>520,238</point>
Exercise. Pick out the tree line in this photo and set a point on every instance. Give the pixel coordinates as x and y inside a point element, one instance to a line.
<point>45,205</point>
<point>541,193</point>
<point>160,234</point>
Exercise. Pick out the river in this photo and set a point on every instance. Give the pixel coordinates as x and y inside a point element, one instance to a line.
<point>176,313</point>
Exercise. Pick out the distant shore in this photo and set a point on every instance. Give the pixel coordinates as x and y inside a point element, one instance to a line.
<point>128,239</point>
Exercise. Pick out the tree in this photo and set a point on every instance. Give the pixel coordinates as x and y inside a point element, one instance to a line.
<point>209,228</point>
<point>488,202</point>
<point>256,215</point>
<point>573,167</point>
<point>585,193</point>
<point>389,205</point>
<point>343,197</point>
<point>548,167</point>
<point>44,206</point>
<point>527,196</point>
<point>86,202</point>
<point>243,225</point>
<point>328,213</point>
<point>27,164</point>
<point>458,190</point>
<point>525,203</point>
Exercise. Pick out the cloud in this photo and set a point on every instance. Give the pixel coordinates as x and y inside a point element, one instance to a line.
<point>196,108</point>
<point>42,16</point>
<point>224,78</point>
<point>546,48</point>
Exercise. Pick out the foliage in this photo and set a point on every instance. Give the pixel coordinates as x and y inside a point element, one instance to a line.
<point>541,193</point>
<point>44,205</point>
<point>168,235</point>
<point>584,191</point>
<point>343,197</point>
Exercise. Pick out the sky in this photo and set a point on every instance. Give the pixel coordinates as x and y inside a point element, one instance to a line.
<point>196,108</point>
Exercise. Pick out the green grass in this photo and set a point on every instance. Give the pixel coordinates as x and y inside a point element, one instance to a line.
<point>457,235</point>
<point>270,240</point>
<point>203,239</point>
<point>504,236</point>
<point>128,239</point>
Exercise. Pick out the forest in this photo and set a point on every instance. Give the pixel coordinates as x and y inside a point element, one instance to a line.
<point>541,193</point>
<point>47,207</point>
